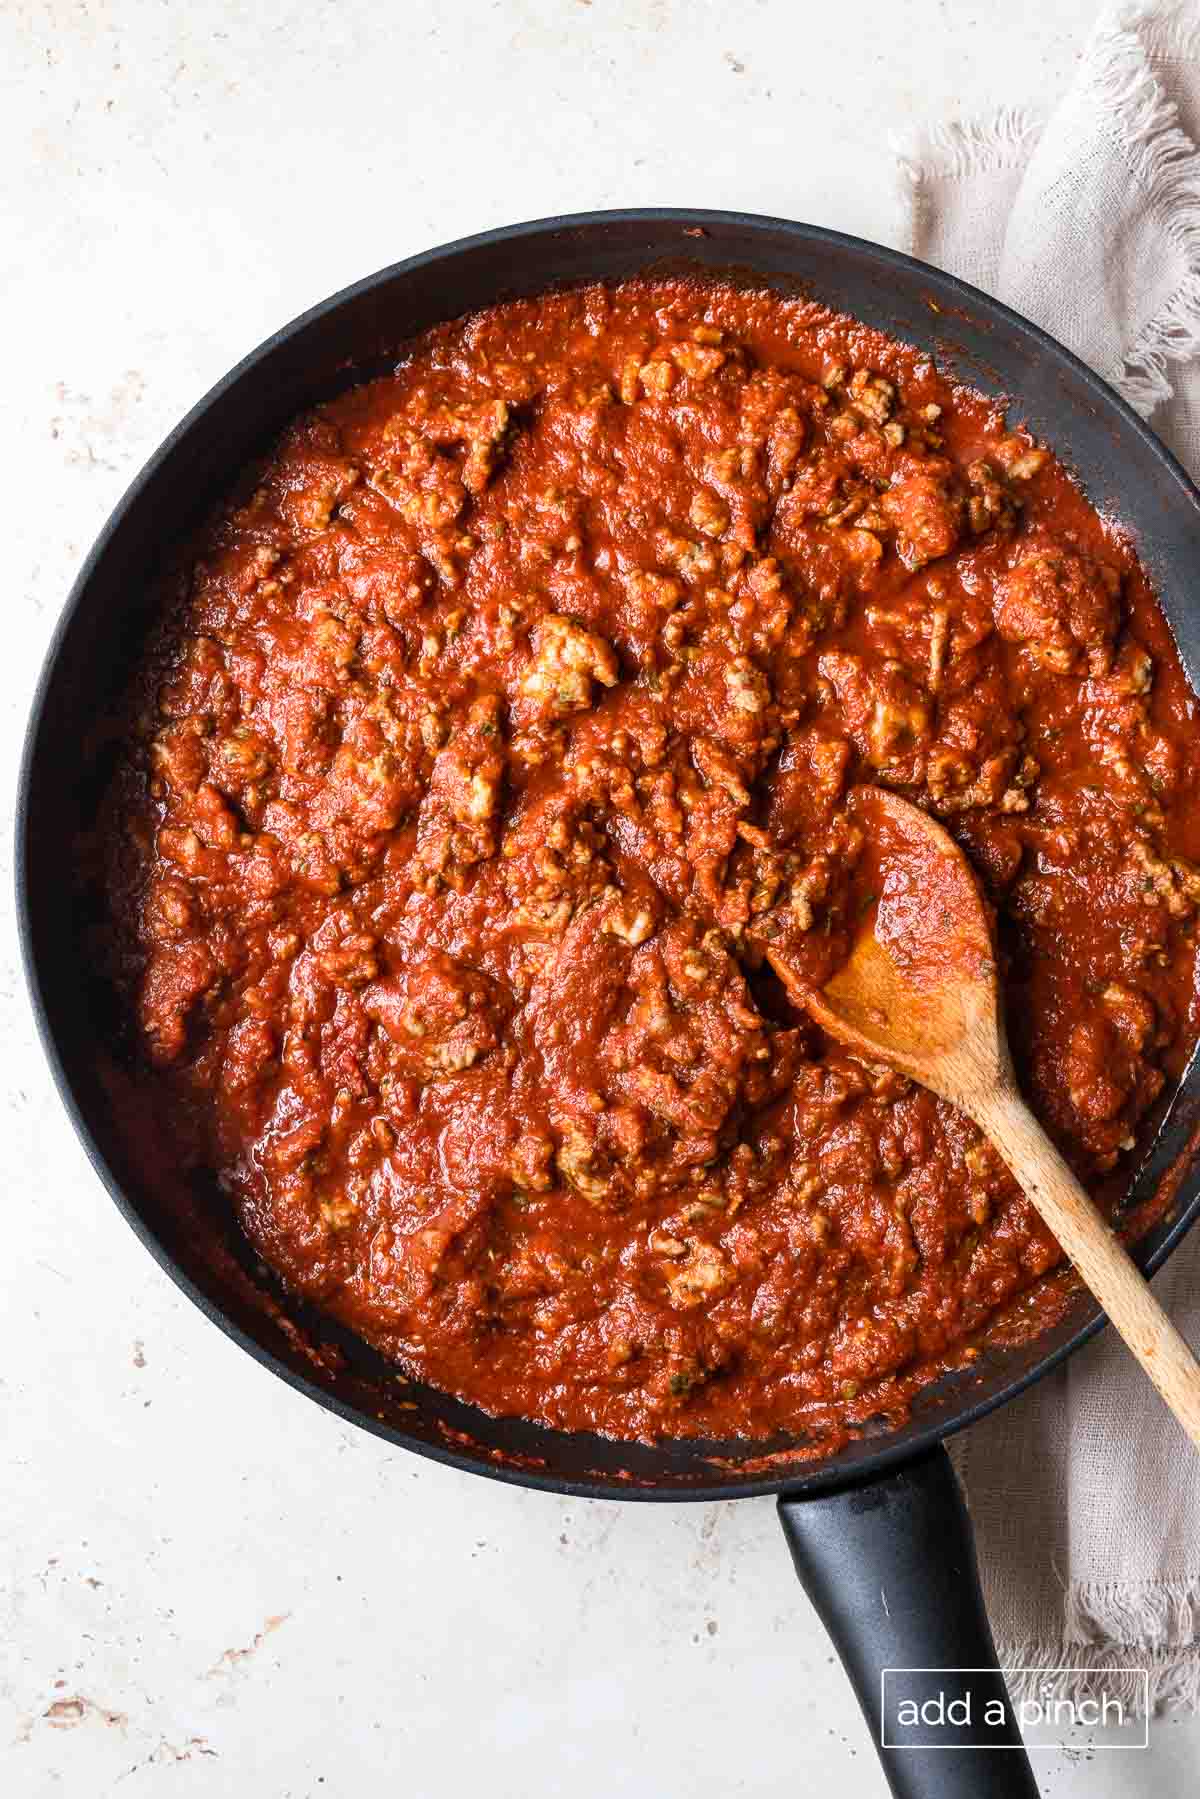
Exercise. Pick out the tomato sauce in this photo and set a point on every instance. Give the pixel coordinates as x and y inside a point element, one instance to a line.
<point>499,725</point>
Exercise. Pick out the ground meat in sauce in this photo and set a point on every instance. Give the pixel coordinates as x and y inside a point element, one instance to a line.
<point>500,723</point>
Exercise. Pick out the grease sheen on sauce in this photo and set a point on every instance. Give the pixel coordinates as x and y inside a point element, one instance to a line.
<point>498,724</point>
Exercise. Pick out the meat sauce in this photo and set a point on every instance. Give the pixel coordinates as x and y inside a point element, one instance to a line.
<point>502,721</point>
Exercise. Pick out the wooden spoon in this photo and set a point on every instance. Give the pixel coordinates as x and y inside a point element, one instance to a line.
<point>919,992</point>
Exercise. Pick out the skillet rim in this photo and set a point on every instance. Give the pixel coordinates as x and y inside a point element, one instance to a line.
<point>804,1480</point>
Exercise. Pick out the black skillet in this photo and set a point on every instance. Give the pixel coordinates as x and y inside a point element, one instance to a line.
<point>878,1532</point>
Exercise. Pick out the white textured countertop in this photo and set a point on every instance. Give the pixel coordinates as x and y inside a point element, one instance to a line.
<point>209,1586</point>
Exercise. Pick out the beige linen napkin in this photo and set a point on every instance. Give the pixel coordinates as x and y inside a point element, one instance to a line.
<point>1085,1496</point>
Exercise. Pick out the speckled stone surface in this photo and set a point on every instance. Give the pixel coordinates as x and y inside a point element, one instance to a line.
<point>208,1585</point>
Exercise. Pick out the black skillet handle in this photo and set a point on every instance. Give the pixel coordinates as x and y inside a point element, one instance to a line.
<point>890,1565</point>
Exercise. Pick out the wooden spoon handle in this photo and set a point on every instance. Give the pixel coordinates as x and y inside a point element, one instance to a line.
<point>1095,1250</point>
